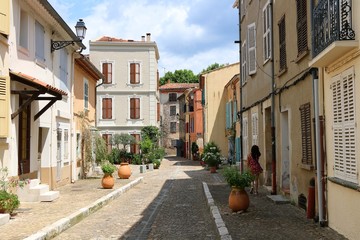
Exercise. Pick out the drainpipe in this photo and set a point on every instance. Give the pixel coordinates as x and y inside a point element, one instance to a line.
<point>72,122</point>
<point>241,102</point>
<point>273,137</point>
<point>317,146</point>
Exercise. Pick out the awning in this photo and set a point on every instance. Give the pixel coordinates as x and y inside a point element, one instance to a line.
<point>31,95</point>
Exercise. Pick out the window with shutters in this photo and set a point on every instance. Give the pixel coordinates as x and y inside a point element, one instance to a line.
<point>135,147</point>
<point>24,30</point>
<point>39,42</point>
<point>158,112</point>
<point>5,17</point>
<point>4,107</point>
<point>172,97</point>
<point>301,25</point>
<point>282,45</point>
<point>245,137</point>
<point>107,137</point>
<point>173,127</point>
<point>107,70</point>
<point>134,73</point>
<point>86,94</point>
<point>344,126</point>
<point>267,31</point>
<point>64,70</point>
<point>107,106</point>
<point>134,108</point>
<point>242,8</point>
<point>244,68</point>
<point>305,119</point>
<point>172,110</point>
<point>255,128</point>
<point>251,42</point>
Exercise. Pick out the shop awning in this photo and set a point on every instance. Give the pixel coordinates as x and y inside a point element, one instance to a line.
<point>40,89</point>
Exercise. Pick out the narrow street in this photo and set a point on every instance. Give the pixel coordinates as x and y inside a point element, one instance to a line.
<point>170,204</point>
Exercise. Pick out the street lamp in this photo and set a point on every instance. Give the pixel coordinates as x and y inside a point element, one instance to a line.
<point>80,33</point>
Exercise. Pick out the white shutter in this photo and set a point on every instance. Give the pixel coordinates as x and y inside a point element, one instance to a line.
<point>343,94</point>
<point>4,106</point>
<point>245,137</point>
<point>39,42</point>
<point>266,16</point>
<point>244,69</point>
<point>254,122</point>
<point>242,8</point>
<point>252,48</point>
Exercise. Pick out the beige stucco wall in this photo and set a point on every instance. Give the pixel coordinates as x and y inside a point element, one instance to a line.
<point>215,110</point>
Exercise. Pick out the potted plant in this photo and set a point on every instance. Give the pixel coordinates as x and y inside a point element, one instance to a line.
<point>8,202</point>
<point>238,198</point>
<point>211,156</point>
<point>195,151</point>
<point>108,180</point>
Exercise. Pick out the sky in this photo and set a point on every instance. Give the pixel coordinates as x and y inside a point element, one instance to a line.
<point>190,34</point>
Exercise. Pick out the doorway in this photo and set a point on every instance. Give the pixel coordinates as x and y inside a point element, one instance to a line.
<point>24,139</point>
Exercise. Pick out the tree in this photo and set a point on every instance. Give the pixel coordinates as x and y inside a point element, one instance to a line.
<point>151,132</point>
<point>123,139</point>
<point>212,67</point>
<point>179,76</point>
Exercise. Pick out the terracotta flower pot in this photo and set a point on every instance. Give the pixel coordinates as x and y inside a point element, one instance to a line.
<point>238,200</point>
<point>213,169</point>
<point>107,181</point>
<point>124,171</point>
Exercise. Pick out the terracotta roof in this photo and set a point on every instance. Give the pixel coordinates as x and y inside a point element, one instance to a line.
<point>34,82</point>
<point>178,86</point>
<point>112,39</point>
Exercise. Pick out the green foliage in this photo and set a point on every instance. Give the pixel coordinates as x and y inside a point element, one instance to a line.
<point>115,156</point>
<point>151,132</point>
<point>159,153</point>
<point>194,147</point>
<point>236,179</point>
<point>136,159</point>
<point>101,153</point>
<point>211,155</point>
<point>156,163</point>
<point>212,67</point>
<point>8,202</point>
<point>108,168</point>
<point>10,183</point>
<point>123,139</point>
<point>179,76</point>
<point>146,145</point>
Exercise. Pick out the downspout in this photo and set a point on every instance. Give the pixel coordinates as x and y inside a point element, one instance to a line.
<point>273,137</point>
<point>73,133</point>
<point>241,102</point>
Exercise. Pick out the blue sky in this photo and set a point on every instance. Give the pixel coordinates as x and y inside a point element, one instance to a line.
<point>190,34</point>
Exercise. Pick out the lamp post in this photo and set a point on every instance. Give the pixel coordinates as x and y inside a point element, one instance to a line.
<point>80,33</point>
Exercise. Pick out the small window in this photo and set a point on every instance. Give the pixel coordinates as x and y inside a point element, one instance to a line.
<point>267,32</point>
<point>107,108</point>
<point>24,30</point>
<point>134,73</point>
<point>86,94</point>
<point>39,42</point>
<point>134,108</point>
<point>301,26</point>
<point>107,71</point>
<point>172,110</point>
<point>173,127</point>
<point>282,45</point>
<point>305,118</point>
<point>172,97</point>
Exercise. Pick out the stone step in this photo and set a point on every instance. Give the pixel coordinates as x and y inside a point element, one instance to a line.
<point>4,218</point>
<point>49,196</point>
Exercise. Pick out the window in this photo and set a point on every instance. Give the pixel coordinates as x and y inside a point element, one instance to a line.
<point>301,26</point>
<point>5,17</point>
<point>134,108</point>
<point>39,42</point>
<point>229,118</point>
<point>158,112</point>
<point>172,97</point>
<point>172,110</point>
<point>107,108</point>
<point>4,103</point>
<point>107,138</point>
<point>134,73</point>
<point>242,8</point>
<point>24,30</point>
<point>135,148</point>
<point>305,118</point>
<point>267,32</point>
<point>78,145</point>
<point>107,71</point>
<point>251,41</point>
<point>244,68</point>
<point>63,69</point>
<point>344,126</point>
<point>282,44</point>
<point>255,130</point>
<point>173,127</point>
<point>86,94</point>
<point>245,137</point>
<point>66,145</point>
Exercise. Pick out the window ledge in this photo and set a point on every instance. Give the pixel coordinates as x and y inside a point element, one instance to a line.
<point>135,84</point>
<point>301,56</point>
<point>344,183</point>
<point>282,71</point>
<point>307,166</point>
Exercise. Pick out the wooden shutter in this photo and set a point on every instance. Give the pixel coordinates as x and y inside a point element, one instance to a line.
<point>158,112</point>
<point>135,148</point>
<point>134,108</point>
<point>134,73</point>
<point>252,48</point>
<point>306,143</point>
<point>282,44</point>
<point>5,17</point>
<point>301,26</point>
<point>245,137</point>
<point>4,107</point>
<point>107,108</point>
<point>107,71</point>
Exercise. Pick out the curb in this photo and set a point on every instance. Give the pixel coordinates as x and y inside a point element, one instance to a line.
<point>222,229</point>
<point>61,225</point>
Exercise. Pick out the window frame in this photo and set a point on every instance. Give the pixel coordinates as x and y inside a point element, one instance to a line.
<point>282,44</point>
<point>137,74</point>
<point>173,127</point>
<point>39,42</point>
<point>251,42</point>
<point>132,107</point>
<point>302,27</point>
<point>86,94</point>
<point>306,136</point>
<point>266,15</point>
<point>172,99</point>
<point>102,108</point>
<point>172,110</point>
<point>107,74</point>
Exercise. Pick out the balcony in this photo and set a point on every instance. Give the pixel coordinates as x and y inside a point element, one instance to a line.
<point>332,32</point>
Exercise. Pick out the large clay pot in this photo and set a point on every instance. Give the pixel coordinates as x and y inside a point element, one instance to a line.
<point>124,171</point>
<point>213,169</point>
<point>107,181</point>
<point>238,200</point>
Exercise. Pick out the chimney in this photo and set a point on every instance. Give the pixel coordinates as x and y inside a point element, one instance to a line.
<point>143,38</point>
<point>148,37</point>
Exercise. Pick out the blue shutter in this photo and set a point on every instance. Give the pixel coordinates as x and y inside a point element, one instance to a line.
<point>237,149</point>
<point>227,116</point>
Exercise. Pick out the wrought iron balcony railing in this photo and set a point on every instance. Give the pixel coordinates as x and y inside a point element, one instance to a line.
<point>332,21</point>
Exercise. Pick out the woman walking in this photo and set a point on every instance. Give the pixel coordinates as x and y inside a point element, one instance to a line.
<point>254,166</point>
